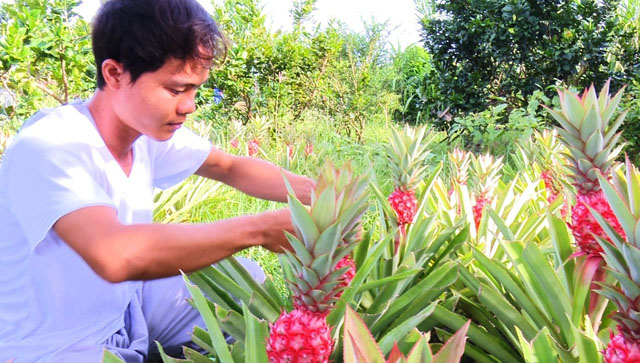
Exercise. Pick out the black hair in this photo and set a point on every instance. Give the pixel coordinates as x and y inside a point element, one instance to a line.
<point>144,34</point>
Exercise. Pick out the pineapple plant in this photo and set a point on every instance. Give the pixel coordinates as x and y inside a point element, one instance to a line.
<point>486,172</point>
<point>460,161</point>
<point>621,253</point>
<point>324,237</point>
<point>259,131</point>
<point>236,132</point>
<point>591,138</point>
<point>406,153</point>
<point>308,148</point>
<point>549,147</point>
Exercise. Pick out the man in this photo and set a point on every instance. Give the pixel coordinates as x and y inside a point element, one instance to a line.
<point>78,251</point>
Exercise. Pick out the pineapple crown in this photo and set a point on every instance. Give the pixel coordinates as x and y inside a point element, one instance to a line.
<point>259,127</point>
<point>324,234</point>
<point>460,159</point>
<point>622,256</point>
<point>589,135</point>
<point>407,152</point>
<point>486,172</point>
<point>547,147</point>
<point>236,129</point>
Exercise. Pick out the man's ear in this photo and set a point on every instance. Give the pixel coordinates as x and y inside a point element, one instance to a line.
<point>113,74</point>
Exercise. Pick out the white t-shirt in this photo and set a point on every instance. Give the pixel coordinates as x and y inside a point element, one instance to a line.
<point>49,297</point>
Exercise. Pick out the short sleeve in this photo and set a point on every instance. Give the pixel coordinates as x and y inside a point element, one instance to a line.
<point>46,181</point>
<point>177,158</point>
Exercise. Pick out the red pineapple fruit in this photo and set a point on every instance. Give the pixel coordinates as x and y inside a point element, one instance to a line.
<point>621,350</point>
<point>253,147</point>
<point>591,138</point>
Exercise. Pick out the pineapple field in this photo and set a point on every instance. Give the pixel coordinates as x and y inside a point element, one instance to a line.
<point>453,256</point>
<point>457,216</point>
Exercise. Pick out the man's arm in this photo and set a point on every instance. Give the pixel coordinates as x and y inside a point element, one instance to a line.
<point>120,252</point>
<point>255,177</point>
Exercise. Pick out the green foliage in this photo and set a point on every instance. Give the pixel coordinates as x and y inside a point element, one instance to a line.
<point>416,85</point>
<point>45,57</point>
<point>509,48</point>
<point>631,126</point>
<point>496,129</point>
<point>357,82</point>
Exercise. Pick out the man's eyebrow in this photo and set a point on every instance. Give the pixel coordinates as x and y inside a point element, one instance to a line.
<point>184,84</point>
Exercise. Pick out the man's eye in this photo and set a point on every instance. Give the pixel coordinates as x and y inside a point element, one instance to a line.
<point>175,92</point>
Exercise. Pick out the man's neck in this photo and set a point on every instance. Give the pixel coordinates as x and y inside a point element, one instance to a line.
<point>118,137</point>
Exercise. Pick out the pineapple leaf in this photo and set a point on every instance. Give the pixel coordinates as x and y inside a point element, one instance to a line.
<point>383,281</point>
<point>506,279</point>
<point>629,287</point>
<point>310,277</point>
<point>496,302</point>
<point>217,339</point>
<point>396,355</point>
<point>573,109</point>
<point>586,272</point>
<point>402,329</point>
<point>603,97</point>
<point>257,334</point>
<point>633,194</point>
<point>363,272</point>
<point>614,127</point>
<point>594,144</point>
<point>328,240</point>
<point>302,254</point>
<point>303,221</point>
<point>587,349</point>
<point>323,211</point>
<point>613,295</point>
<point>590,99</point>
<point>166,358</point>
<point>548,287</point>
<point>421,352</point>
<point>454,347</point>
<point>632,257</point>
<point>195,356</point>
<point>239,273</point>
<point>570,138</point>
<point>107,356</point>
<point>211,289</point>
<point>443,276</point>
<point>591,124</point>
<point>613,104</point>
<point>231,322</point>
<point>492,344</point>
<point>618,206</point>
<point>358,343</point>
<point>568,127</point>
<point>612,255</point>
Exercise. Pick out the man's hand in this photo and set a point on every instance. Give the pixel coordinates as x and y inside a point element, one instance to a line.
<point>275,240</point>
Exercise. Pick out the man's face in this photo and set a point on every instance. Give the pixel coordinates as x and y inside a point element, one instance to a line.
<point>158,103</point>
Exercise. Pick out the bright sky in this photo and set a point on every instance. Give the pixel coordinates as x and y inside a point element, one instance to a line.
<point>401,14</point>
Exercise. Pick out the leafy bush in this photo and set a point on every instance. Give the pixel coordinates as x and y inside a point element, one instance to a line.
<point>45,57</point>
<point>497,48</point>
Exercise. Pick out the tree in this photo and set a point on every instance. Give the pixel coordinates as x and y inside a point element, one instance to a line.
<point>45,56</point>
<point>488,49</point>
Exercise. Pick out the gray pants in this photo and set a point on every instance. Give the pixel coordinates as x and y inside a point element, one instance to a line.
<point>160,313</point>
